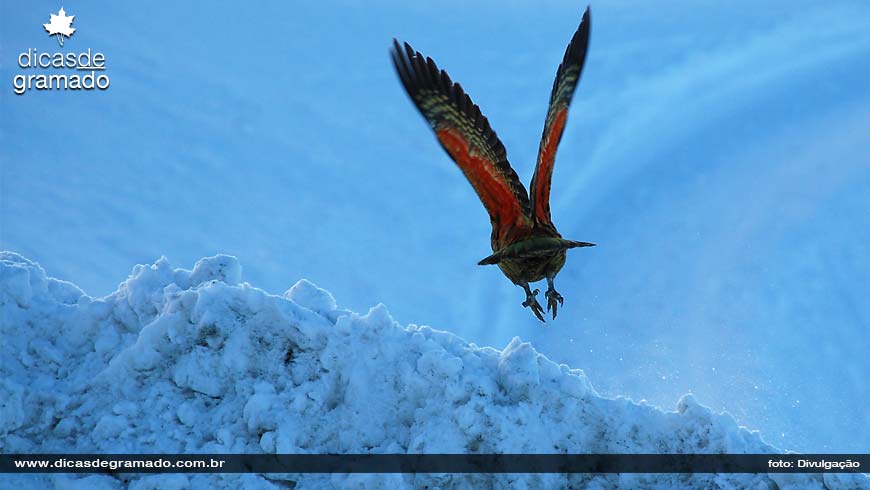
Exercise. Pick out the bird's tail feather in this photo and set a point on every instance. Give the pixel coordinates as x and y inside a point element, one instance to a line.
<point>532,247</point>
<point>573,244</point>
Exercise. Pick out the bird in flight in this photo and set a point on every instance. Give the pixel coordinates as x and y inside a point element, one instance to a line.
<point>525,244</point>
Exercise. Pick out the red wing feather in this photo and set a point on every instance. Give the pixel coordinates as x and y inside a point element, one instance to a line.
<point>567,77</point>
<point>467,137</point>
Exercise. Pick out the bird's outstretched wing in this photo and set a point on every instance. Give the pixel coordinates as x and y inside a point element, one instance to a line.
<point>567,77</point>
<point>466,136</point>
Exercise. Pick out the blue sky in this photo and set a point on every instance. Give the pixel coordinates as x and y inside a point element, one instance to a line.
<point>715,152</point>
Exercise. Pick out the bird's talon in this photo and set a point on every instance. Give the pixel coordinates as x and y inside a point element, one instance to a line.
<point>536,309</point>
<point>539,312</point>
<point>554,300</point>
<point>533,304</point>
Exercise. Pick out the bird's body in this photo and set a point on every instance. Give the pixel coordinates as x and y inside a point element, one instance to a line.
<point>525,243</point>
<point>534,267</point>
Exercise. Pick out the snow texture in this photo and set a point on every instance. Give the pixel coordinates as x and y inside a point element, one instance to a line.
<point>187,361</point>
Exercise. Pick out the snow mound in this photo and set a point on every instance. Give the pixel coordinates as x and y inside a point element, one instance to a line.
<point>186,361</point>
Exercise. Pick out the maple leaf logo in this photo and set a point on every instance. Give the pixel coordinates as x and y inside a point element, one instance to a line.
<point>60,25</point>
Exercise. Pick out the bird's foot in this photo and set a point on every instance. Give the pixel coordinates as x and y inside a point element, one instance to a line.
<point>554,300</point>
<point>532,303</point>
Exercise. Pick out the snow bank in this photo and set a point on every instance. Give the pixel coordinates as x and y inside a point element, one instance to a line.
<point>184,361</point>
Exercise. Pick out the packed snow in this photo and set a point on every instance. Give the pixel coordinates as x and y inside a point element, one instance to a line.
<point>188,361</point>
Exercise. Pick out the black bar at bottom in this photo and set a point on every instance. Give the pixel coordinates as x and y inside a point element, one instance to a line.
<point>434,463</point>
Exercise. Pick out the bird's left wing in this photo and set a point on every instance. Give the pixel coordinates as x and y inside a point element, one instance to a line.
<point>567,77</point>
<point>467,137</point>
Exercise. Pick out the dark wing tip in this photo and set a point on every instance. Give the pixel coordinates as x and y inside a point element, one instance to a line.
<point>419,72</point>
<point>396,49</point>
<point>577,48</point>
<point>574,58</point>
<point>586,20</point>
<point>402,65</point>
<point>415,71</point>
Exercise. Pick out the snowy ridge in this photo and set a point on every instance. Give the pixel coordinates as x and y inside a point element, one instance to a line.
<point>197,361</point>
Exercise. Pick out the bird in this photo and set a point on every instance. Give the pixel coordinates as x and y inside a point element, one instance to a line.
<point>525,243</point>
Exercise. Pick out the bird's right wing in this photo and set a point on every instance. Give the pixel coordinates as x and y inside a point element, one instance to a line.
<point>567,77</point>
<point>467,137</point>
